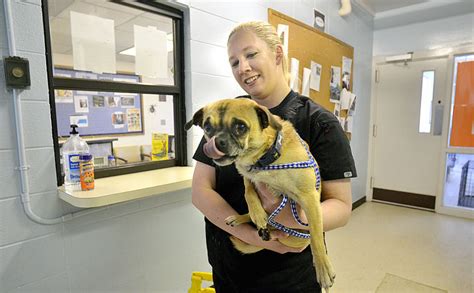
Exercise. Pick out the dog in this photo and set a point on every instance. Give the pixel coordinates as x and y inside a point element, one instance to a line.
<point>241,131</point>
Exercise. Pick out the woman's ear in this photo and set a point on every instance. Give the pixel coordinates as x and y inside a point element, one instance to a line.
<point>279,54</point>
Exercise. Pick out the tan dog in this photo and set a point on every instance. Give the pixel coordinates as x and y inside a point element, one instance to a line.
<point>241,131</point>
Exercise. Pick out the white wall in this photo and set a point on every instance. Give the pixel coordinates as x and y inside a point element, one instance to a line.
<point>446,32</point>
<point>151,244</point>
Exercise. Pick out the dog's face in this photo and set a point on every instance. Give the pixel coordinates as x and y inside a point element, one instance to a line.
<point>234,127</point>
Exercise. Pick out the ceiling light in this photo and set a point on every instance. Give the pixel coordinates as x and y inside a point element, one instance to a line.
<point>403,57</point>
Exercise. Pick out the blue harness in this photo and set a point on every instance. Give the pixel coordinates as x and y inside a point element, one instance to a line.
<point>311,162</point>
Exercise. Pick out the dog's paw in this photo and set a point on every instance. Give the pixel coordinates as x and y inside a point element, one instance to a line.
<point>236,220</point>
<point>231,221</point>
<point>325,274</point>
<point>264,233</point>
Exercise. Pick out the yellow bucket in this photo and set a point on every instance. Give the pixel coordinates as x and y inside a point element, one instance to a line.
<point>196,283</point>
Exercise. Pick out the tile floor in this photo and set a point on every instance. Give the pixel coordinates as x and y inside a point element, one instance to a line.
<point>417,246</point>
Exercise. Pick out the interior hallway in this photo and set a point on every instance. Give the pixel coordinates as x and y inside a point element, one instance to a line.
<point>386,248</point>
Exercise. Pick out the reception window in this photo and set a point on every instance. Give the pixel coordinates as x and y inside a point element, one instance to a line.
<point>116,71</point>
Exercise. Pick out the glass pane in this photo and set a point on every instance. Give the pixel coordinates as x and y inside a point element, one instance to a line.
<point>134,128</point>
<point>104,37</point>
<point>462,111</point>
<point>427,87</point>
<point>459,185</point>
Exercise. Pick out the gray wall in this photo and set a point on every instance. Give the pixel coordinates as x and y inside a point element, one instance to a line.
<point>145,245</point>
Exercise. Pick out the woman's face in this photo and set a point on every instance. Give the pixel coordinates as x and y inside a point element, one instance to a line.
<point>254,65</point>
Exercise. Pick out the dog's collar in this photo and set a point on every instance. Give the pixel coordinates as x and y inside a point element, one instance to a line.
<point>272,154</point>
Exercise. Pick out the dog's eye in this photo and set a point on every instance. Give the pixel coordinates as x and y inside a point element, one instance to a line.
<point>239,129</point>
<point>207,127</point>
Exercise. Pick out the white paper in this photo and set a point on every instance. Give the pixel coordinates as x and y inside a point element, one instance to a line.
<point>294,81</point>
<point>315,79</point>
<point>93,43</point>
<point>337,110</point>
<point>352,105</point>
<point>63,96</point>
<point>81,104</point>
<point>80,121</point>
<point>282,31</point>
<point>151,53</point>
<point>306,77</point>
<point>348,124</point>
<point>346,72</point>
<point>345,99</point>
<point>335,76</point>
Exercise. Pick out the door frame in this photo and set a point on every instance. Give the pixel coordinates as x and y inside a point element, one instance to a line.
<point>448,53</point>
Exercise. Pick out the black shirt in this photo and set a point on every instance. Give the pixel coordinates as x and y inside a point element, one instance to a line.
<point>266,269</point>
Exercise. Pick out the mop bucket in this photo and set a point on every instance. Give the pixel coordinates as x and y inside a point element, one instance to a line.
<point>196,283</point>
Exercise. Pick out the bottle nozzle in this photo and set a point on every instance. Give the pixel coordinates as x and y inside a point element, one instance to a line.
<point>74,131</point>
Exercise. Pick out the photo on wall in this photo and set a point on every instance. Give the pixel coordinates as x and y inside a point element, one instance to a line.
<point>118,119</point>
<point>81,104</point>
<point>113,102</point>
<point>127,102</point>
<point>98,101</point>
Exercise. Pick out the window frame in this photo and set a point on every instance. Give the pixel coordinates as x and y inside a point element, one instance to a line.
<point>176,90</point>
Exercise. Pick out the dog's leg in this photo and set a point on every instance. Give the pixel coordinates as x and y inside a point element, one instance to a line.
<point>256,211</point>
<point>237,220</point>
<point>324,270</point>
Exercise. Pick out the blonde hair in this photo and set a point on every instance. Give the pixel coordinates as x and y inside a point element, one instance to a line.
<point>267,33</point>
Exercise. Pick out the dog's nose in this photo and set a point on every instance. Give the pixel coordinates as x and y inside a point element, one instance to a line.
<point>221,144</point>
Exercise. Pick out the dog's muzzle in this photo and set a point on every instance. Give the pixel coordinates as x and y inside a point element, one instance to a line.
<point>210,149</point>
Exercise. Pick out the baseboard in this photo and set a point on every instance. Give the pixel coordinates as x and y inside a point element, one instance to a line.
<point>405,198</point>
<point>359,202</point>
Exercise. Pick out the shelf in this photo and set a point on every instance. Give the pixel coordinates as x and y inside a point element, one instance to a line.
<point>127,187</point>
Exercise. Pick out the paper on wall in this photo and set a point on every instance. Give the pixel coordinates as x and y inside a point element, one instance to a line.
<point>345,99</point>
<point>346,72</point>
<point>294,81</point>
<point>93,43</point>
<point>81,104</point>
<point>283,31</point>
<point>335,76</point>
<point>80,121</point>
<point>337,110</point>
<point>151,53</point>
<point>352,105</point>
<point>306,77</point>
<point>348,124</point>
<point>315,79</point>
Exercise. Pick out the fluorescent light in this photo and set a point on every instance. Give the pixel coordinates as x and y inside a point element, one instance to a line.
<point>403,57</point>
<point>132,52</point>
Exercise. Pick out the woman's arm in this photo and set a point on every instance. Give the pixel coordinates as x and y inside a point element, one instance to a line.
<point>216,210</point>
<point>336,205</point>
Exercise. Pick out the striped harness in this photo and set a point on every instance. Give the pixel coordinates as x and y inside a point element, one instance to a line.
<point>310,163</point>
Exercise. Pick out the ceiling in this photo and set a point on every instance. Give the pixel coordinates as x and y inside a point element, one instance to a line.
<point>391,13</point>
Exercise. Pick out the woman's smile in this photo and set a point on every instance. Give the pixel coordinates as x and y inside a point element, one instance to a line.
<point>251,80</point>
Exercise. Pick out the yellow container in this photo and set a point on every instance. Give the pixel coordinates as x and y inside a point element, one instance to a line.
<point>196,282</point>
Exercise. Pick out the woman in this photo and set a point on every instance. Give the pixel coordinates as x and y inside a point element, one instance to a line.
<point>260,67</point>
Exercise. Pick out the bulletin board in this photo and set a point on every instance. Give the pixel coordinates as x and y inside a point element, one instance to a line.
<point>98,113</point>
<point>307,44</point>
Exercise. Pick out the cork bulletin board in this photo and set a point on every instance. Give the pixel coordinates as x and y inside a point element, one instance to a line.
<point>307,44</point>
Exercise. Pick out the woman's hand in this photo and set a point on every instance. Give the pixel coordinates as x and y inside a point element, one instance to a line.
<point>270,202</point>
<point>273,244</point>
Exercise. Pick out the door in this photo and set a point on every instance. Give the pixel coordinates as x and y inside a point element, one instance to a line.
<point>406,150</point>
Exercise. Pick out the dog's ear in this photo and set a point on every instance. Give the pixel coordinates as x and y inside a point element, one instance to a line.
<point>266,118</point>
<point>197,120</point>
